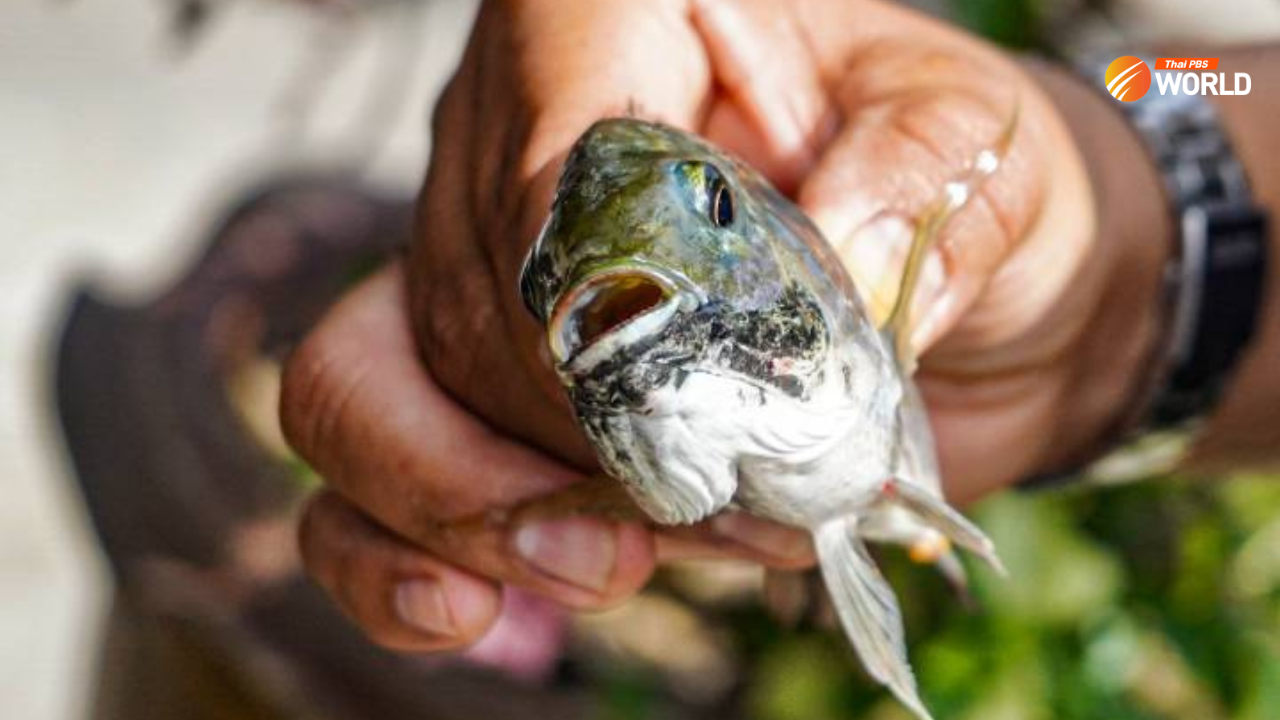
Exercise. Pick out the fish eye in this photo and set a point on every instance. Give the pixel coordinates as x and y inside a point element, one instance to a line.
<point>721,205</point>
<point>709,191</point>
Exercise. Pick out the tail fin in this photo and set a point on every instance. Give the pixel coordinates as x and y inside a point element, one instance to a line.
<point>867,608</point>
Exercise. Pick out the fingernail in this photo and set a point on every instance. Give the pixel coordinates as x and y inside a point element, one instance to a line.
<point>762,536</point>
<point>878,247</point>
<point>421,604</point>
<point>580,551</point>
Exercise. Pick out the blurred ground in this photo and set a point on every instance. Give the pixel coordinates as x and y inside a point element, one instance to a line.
<point>116,143</point>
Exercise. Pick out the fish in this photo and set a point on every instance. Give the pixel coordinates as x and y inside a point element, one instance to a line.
<point>718,355</point>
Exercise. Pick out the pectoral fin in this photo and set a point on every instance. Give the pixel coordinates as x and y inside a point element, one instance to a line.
<point>933,548</point>
<point>934,512</point>
<point>928,227</point>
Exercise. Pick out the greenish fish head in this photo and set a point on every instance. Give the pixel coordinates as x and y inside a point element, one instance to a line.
<point>648,222</point>
<point>684,302</point>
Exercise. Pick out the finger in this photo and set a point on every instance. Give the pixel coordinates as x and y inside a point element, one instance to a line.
<point>775,112</point>
<point>914,120</point>
<point>358,406</point>
<point>563,88</point>
<point>570,87</point>
<point>501,135</point>
<point>509,173</point>
<point>477,340</point>
<point>738,535</point>
<point>400,596</point>
<point>888,164</point>
<point>470,327</point>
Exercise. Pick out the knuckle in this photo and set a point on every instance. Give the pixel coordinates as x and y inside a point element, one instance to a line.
<point>317,389</point>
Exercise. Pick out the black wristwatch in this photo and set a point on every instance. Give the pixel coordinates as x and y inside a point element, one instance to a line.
<point>1212,288</point>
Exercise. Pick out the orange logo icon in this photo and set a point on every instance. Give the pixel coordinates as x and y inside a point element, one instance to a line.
<point>1128,78</point>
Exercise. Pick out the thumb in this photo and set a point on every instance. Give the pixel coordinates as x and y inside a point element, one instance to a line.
<point>770,107</point>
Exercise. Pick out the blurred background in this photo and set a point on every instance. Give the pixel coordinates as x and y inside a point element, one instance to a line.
<point>172,158</point>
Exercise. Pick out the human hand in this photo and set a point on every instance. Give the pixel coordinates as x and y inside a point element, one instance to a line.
<point>1038,307</point>
<point>861,110</point>
<point>406,449</point>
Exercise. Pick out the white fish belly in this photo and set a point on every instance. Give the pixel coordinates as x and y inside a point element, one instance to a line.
<point>798,461</point>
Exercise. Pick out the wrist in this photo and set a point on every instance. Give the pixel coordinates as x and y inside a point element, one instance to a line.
<point>1111,362</point>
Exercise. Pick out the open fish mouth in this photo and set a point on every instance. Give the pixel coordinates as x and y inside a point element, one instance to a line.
<point>609,310</point>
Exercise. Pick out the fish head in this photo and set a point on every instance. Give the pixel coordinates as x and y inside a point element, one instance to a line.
<point>673,290</point>
<point>648,221</point>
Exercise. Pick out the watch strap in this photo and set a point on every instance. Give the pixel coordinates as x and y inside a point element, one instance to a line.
<point>1213,284</point>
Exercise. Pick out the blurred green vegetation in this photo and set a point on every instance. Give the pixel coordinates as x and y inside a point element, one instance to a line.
<point>1146,602</point>
<point>1011,23</point>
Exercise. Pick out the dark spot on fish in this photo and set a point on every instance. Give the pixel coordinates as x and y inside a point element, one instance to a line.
<point>754,343</point>
<point>789,333</point>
